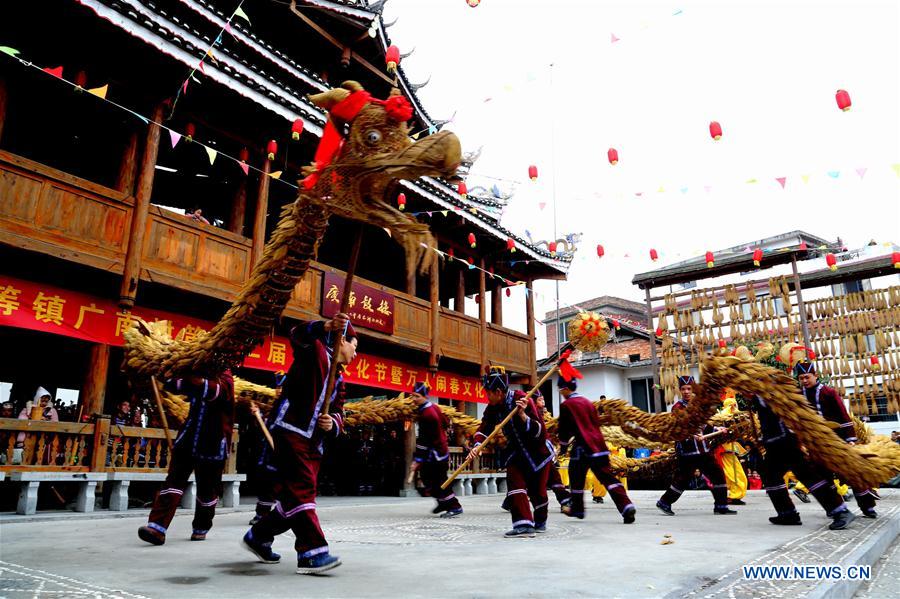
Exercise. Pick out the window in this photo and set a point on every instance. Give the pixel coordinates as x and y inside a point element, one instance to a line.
<point>642,395</point>
<point>634,357</point>
<point>870,343</point>
<point>779,306</point>
<point>563,331</point>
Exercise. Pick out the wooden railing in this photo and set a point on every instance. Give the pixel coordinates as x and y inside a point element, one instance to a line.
<point>486,463</point>
<point>88,447</point>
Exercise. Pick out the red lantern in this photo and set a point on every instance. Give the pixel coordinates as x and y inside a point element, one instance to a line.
<point>653,255</point>
<point>471,261</point>
<point>189,131</point>
<point>552,247</point>
<point>803,246</point>
<point>473,3</point>
<point>532,172</point>
<point>244,155</point>
<point>472,242</point>
<point>401,201</point>
<point>811,354</point>
<point>722,343</point>
<point>392,58</point>
<point>658,331</point>
<point>895,259</point>
<point>450,252</point>
<point>715,130</point>
<point>757,256</point>
<point>272,149</point>
<point>710,260</point>
<point>511,244</point>
<point>461,189</point>
<point>874,360</point>
<point>831,261</point>
<point>616,324</point>
<point>600,251</point>
<point>296,129</point>
<point>508,293</point>
<point>81,79</point>
<point>613,156</point>
<point>843,100</point>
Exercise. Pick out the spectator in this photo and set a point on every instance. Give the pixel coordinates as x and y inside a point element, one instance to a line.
<point>123,417</point>
<point>895,436</point>
<point>8,411</point>
<point>45,400</point>
<point>197,215</point>
<point>699,481</point>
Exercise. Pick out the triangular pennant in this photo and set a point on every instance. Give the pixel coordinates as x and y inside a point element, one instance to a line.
<point>100,92</point>
<point>195,79</point>
<point>834,174</point>
<point>200,65</point>
<point>805,178</point>
<point>896,168</point>
<point>444,212</point>
<point>184,86</point>
<point>684,190</point>
<point>639,193</point>
<point>275,174</point>
<point>781,181</point>
<point>143,118</point>
<point>239,12</point>
<point>244,167</point>
<point>707,188</point>
<point>56,72</point>
<point>174,137</point>
<point>212,56</point>
<point>861,172</point>
<point>676,13</point>
<point>542,205</point>
<point>211,153</point>
<point>228,28</point>
<point>612,38</point>
<point>751,180</point>
<point>8,50</point>
<point>432,129</point>
<point>661,189</point>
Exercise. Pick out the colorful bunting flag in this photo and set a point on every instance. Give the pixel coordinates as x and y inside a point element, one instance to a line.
<point>861,172</point>
<point>834,174</point>
<point>275,174</point>
<point>805,178</point>
<point>100,92</point>
<point>8,50</point>
<point>542,205</point>
<point>751,181</point>
<point>244,167</point>
<point>896,168</point>
<point>660,190</point>
<point>174,137</point>
<point>612,38</point>
<point>239,12</point>
<point>56,72</point>
<point>211,153</point>
<point>781,181</point>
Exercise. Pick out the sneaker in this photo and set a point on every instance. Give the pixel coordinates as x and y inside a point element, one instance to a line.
<point>567,510</point>
<point>154,537</point>
<point>317,563</point>
<point>261,550</point>
<point>541,528</point>
<point>452,513</point>
<point>786,519</point>
<point>842,520</point>
<point>736,502</point>
<point>667,510</point>
<point>628,514</point>
<point>255,520</point>
<point>723,511</point>
<point>870,513</point>
<point>524,531</point>
<point>598,500</point>
<point>802,495</point>
<point>563,504</point>
<point>198,535</point>
<point>438,509</point>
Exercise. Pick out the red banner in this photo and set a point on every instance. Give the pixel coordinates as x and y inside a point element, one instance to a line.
<point>39,307</point>
<point>368,307</point>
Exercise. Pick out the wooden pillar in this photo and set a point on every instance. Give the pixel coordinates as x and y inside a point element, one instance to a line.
<point>800,306</point>
<point>93,389</point>
<point>2,105</point>
<point>410,277</point>
<point>497,305</point>
<point>132,271</point>
<point>259,217</point>
<point>460,302</point>
<point>529,329</point>
<point>482,313</point>
<point>435,315</point>
<point>654,364</point>
<point>238,209</point>
<point>128,166</point>
<point>409,448</point>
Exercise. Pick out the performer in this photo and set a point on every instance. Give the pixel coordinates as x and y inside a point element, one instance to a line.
<point>783,453</point>
<point>728,456</point>
<point>300,429</point>
<point>432,456</point>
<point>554,482</point>
<point>693,454</point>
<point>826,401</point>
<point>266,473</point>
<point>528,454</point>
<point>201,447</point>
<point>579,421</point>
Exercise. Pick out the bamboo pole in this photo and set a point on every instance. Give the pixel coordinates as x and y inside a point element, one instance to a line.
<point>162,414</point>
<point>262,425</point>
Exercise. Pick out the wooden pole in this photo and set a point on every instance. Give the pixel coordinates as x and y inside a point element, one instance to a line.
<point>262,425</point>
<point>162,414</point>
<point>93,389</point>
<point>482,313</point>
<point>238,209</point>
<point>654,363</point>
<point>459,303</point>
<point>131,272</point>
<point>128,166</point>
<point>529,327</point>
<point>345,304</point>
<point>497,305</point>
<point>435,315</point>
<point>800,306</point>
<point>410,277</point>
<point>259,217</point>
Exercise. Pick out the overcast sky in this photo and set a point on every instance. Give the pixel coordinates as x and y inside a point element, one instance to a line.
<point>767,71</point>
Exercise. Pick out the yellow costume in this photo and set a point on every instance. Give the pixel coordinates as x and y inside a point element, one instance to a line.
<point>789,476</point>
<point>735,476</point>
<point>591,483</point>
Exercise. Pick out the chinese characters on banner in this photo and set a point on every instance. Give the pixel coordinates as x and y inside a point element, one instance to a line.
<point>368,307</point>
<point>39,307</point>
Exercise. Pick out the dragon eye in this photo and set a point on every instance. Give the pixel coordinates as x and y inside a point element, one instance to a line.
<point>373,136</point>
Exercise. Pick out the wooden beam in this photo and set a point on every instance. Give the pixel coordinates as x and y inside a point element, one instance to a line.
<point>435,315</point>
<point>529,328</point>
<point>459,303</point>
<point>654,363</point>
<point>238,209</point>
<point>93,389</point>
<point>128,166</point>
<point>259,217</point>
<point>3,96</point>
<point>497,305</point>
<point>132,271</point>
<point>482,310</point>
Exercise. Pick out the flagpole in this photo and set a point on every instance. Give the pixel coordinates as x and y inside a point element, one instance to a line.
<point>553,197</point>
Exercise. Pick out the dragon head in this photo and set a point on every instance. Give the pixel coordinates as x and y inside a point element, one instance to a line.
<point>365,149</point>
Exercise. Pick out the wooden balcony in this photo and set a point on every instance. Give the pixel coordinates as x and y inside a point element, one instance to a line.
<point>48,211</point>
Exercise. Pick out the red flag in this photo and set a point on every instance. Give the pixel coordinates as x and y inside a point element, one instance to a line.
<point>566,370</point>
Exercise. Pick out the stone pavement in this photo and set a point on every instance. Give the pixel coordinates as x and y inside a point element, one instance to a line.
<point>394,547</point>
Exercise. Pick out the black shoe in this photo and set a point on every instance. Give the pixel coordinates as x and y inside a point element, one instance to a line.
<point>198,535</point>
<point>870,513</point>
<point>440,508</point>
<point>541,528</point>
<point>598,500</point>
<point>786,519</point>
<point>261,550</point>
<point>255,520</point>
<point>842,520</point>
<point>317,563</point>
<point>723,511</point>
<point>452,513</point>
<point>567,510</point>
<point>736,502</point>
<point>524,531</point>
<point>802,495</point>
<point>667,510</point>
<point>628,514</point>
<point>154,537</point>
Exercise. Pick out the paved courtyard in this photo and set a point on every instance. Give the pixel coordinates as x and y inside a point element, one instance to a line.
<point>393,547</point>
